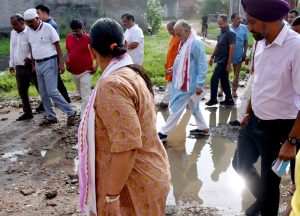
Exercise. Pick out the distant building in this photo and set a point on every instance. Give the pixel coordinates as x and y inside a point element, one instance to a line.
<point>180,8</point>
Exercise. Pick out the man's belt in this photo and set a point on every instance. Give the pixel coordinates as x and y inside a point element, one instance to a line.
<point>45,59</point>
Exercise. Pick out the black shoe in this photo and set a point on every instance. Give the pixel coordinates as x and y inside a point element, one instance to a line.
<point>229,102</point>
<point>46,121</point>
<point>163,105</point>
<point>40,108</point>
<point>25,116</point>
<point>211,102</point>
<point>198,132</point>
<point>163,137</point>
<point>253,210</point>
<point>71,119</point>
<point>234,123</point>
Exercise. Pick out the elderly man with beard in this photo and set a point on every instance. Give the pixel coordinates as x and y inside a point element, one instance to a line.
<point>272,122</point>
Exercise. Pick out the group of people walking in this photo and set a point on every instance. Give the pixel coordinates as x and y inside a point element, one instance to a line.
<point>269,115</point>
<point>124,168</point>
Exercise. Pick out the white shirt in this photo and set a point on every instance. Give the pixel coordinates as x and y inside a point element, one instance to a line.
<point>276,85</point>
<point>135,34</point>
<point>19,48</point>
<point>42,41</point>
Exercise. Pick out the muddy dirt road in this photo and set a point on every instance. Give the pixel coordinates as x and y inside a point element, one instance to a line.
<point>38,166</point>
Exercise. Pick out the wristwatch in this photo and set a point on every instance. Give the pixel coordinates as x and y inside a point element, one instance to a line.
<point>108,199</point>
<point>293,140</point>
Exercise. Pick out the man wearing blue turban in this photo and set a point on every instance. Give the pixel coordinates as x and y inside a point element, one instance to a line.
<point>271,127</point>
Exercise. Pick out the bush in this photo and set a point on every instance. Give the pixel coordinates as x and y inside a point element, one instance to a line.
<point>154,15</point>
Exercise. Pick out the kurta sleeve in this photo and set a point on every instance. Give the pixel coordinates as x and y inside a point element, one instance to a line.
<point>198,53</point>
<point>119,115</point>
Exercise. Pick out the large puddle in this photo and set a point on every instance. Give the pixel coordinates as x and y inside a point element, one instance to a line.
<point>201,168</point>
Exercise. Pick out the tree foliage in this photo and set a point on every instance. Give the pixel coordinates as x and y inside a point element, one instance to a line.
<point>214,6</point>
<point>154,14</point>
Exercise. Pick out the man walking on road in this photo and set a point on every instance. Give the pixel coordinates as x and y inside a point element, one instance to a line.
<point>79,61</point>
<point>48,58</point>
<point>189,74</point>
<point>171,55</point>
<point>20,64</point>
<point>240,51</point>
<point>44,15</point>
<point>272,123</point>
<point>223,56</point>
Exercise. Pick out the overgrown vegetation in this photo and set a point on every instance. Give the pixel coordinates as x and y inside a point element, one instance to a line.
<point>4,46</point>
<point>154,15</point>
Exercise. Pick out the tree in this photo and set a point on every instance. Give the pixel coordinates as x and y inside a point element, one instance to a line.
<point>154,14</point>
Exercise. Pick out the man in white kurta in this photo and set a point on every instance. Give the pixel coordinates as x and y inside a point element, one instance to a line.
<point>134,39</point>
<point>189,74</point>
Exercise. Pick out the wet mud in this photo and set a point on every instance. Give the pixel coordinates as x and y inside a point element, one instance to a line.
<point>38,165</point>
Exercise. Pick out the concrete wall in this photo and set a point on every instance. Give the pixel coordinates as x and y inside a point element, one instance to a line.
<point>138,8</point>
<point>180,9</point>
<point>171,9</point>
<point>236,7</point>
<point>63,11</point>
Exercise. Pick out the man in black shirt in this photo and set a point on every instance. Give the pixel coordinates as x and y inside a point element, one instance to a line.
<point>223,56</point>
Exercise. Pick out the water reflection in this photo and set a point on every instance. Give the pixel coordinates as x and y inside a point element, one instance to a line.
<point>201,168</point>
<point>57,158</point>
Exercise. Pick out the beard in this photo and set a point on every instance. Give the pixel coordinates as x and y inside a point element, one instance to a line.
<point>257,36</point>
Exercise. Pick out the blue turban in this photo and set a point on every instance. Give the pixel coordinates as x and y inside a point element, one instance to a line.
<point>266,10</point>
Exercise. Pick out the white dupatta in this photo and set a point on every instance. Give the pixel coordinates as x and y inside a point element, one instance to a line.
<point>86,143</point>
<point>183,65</point>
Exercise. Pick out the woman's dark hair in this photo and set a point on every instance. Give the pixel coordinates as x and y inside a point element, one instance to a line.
<point>75,24</point>
<point>296,21</point>
<point>141,71</point>
<point>105,32</point>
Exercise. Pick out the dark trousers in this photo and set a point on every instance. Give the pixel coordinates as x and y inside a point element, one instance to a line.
<point>264,139</point>
<point>221,74</point>
<point>292,165</point>
<point>62,89</point>
<point>24,77</point>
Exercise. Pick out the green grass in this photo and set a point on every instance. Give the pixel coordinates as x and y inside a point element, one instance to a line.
<point>154,63</point>
<point>4,46</point>
<point>213,31</point>
<point>156,47</point>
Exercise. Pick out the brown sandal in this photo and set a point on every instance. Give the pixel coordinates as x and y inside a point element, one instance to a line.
<point>46,121</point>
